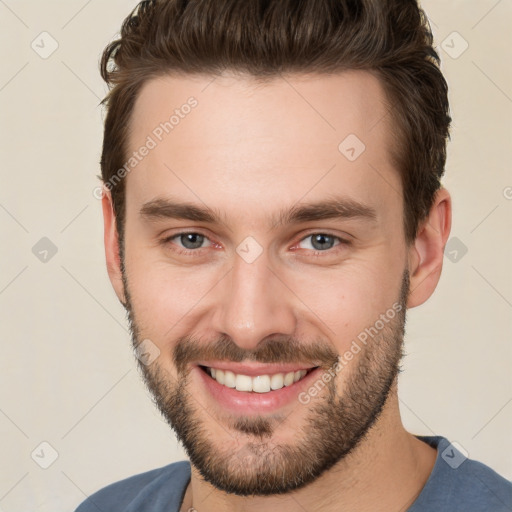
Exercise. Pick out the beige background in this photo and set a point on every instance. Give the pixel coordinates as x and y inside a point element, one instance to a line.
<point>68,376</point>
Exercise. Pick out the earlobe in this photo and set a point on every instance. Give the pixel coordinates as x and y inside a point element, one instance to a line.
<point>111,240</point>
<point>427,252</point>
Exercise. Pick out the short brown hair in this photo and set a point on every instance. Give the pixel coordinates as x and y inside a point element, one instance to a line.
<point>265,38</point>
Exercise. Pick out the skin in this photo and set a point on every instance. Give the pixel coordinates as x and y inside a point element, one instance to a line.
<point>248,151</point>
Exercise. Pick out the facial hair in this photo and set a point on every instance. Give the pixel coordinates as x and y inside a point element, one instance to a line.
<point>334,426</point>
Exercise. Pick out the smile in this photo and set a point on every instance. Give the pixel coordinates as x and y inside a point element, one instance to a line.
<point>258,384</point>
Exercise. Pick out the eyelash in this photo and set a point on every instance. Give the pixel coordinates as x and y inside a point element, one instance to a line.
<point>198,252</point>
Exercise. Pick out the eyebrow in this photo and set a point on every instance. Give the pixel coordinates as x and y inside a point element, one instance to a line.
<point>335,208</point>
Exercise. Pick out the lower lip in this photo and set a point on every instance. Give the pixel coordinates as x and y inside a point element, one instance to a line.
<point>245,402</point>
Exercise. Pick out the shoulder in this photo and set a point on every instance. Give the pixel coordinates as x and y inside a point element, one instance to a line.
<point>152,491</point>
<point>479,487</point>
<point>458,483</point>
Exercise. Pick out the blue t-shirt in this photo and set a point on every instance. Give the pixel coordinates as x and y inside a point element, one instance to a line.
<point>456,484</point>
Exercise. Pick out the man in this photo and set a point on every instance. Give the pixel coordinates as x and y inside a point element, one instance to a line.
<point>241,137</point>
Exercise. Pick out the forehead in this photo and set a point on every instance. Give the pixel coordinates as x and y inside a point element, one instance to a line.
<point>292,136</point>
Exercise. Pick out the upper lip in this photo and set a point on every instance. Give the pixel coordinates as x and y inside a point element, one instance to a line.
<point>255,369</point>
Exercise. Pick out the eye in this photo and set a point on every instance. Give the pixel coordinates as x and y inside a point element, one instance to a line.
<point>323,242</point>
<point>190,241</point>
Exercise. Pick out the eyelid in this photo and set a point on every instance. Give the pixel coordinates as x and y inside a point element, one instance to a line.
<point>345,237</point>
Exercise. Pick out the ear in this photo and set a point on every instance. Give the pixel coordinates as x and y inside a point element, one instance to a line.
<point>111,240</point>
<point>427,252</point>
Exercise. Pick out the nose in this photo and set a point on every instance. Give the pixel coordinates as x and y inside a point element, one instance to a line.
<point>254,303</point>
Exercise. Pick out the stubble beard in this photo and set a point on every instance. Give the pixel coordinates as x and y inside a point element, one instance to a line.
<point>335,424</point>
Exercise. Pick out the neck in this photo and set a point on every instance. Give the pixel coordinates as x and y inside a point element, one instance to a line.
<point>385,472</point>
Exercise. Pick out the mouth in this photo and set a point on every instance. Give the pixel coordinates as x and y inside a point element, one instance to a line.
<point>261,383</point>
<point>251,388</point>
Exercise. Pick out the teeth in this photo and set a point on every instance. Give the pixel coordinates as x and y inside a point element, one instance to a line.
<point>259,384</point>
<point>243,383</point>
<point>229,379</point>
<point>289,378</point>
<point>277,381</point>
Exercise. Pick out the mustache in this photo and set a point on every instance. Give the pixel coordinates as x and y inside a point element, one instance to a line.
<point>271,350</point>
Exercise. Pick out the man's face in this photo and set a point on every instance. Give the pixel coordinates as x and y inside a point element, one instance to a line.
<point>258,286</point>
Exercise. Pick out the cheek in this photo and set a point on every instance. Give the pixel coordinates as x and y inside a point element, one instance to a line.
<point>166,300</point>
<point>343,302</point>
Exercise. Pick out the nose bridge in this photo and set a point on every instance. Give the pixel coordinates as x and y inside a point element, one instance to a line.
<point>255,304</point>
